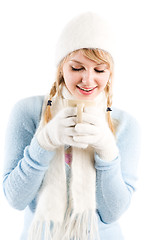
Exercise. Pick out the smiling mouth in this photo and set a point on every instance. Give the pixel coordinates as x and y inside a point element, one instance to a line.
<point>86,89</point>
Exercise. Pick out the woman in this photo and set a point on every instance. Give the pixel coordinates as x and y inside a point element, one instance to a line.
<point>71,164</point>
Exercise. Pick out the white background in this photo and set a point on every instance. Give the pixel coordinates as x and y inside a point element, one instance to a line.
<point>28,33</point>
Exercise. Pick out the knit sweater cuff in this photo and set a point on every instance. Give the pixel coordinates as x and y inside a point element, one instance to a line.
<point>40,156</point>
<point>103,165</point>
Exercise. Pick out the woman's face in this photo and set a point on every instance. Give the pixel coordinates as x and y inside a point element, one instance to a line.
<point>84,78</point>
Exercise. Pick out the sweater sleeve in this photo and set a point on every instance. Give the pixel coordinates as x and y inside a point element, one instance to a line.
<point>116,179</point>
<point>25,161</point>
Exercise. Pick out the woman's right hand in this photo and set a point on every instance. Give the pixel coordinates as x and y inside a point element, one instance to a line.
<point>60,130</point>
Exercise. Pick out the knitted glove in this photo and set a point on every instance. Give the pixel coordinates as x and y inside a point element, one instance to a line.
<point>60,130</point>
<point>95,132</point>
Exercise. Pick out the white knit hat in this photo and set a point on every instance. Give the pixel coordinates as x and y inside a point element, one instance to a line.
<point>88,30</point>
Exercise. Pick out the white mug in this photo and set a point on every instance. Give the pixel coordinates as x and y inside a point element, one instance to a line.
<point>80,104</point>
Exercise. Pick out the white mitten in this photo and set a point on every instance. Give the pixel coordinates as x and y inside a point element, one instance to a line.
<point>60,130</point>
<point>95,132</point>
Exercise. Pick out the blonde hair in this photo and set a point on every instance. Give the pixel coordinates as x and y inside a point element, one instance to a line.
<point>97,55</point>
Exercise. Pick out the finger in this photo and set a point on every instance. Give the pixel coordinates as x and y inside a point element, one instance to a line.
<point>79,145</point>
<point>89,118</point>
<point>69,122</point>
<point>69,141</point>
<point>89,139</point>
<point>85,129</point>
<point>68,112</point>
<point>70,131</point>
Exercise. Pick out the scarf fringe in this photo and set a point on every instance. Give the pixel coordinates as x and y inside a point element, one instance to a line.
<point>36,231</point>
<point>45,230</point>
<point>81,226</point>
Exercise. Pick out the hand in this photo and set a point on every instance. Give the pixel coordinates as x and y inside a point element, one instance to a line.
<point>95,132</point>
<point>60,130</point>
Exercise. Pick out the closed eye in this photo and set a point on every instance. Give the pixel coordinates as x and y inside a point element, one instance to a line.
<point>77,69</point>
<point>99,71</point>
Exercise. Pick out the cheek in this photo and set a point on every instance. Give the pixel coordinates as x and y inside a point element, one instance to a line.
<point>67,77</point>
<point>71,78</point>
<point>103,81</point>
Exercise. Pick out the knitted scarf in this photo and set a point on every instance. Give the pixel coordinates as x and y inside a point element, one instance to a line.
<point>62,216</point>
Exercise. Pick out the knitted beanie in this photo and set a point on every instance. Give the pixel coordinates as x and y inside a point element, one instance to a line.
<point>87,30</point>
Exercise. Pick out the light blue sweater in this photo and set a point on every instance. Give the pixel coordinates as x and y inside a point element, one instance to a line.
<point>26,163</point>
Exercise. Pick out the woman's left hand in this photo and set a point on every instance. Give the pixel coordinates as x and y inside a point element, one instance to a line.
<point>94,131</point>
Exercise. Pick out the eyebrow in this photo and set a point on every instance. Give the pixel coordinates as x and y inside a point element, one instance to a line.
<point>82,63</point>
<point>75,61</point>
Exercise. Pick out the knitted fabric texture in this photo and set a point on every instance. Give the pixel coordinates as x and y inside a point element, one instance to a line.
<point>55,217</point>
<point>88,30</point>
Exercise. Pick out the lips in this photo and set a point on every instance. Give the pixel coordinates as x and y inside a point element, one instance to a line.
<point>86,91</point>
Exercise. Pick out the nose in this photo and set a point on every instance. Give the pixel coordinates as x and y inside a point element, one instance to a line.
<point>87,77</point>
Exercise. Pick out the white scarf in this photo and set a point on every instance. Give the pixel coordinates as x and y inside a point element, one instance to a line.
<point>56,217</point>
